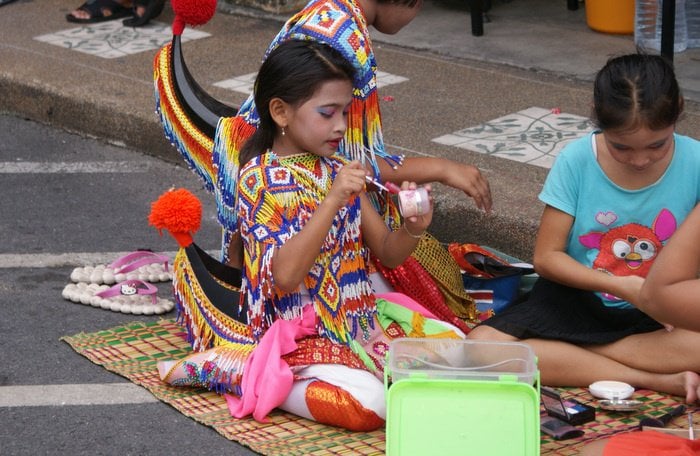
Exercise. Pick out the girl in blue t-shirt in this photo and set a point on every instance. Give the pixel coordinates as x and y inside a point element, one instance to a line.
<point>612,200</point>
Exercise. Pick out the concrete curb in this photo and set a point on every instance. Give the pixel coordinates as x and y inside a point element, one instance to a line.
<point>113,100</point>
<point>454,218</point>
<point>46,105</point>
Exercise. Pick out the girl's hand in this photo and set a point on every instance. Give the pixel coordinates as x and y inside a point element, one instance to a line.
<point>628,287</point>
<point>349,182</point>
<point>469,179</point>
<point>416,225</point>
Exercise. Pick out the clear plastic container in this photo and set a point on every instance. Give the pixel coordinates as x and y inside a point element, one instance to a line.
<point>692,15</point>
<point>647,25</point>
<point>459,359</point>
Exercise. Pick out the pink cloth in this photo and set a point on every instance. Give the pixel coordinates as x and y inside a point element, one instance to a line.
<point>407,302</point>
<point>267,378</point>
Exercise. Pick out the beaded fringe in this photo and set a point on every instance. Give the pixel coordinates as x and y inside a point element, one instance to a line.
<point>206,325</point>
<point>193,145</point>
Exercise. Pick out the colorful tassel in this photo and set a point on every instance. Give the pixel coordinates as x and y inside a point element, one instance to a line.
<point>179,212</point>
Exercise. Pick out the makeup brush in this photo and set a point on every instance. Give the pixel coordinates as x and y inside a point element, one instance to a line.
<point>390,187</point>
<point>691,431</point>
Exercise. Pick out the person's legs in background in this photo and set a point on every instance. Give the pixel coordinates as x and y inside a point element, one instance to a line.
<point>93,11</point>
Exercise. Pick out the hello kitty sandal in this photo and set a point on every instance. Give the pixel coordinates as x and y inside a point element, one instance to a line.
<point>131,297</point>
<point>139,265</point>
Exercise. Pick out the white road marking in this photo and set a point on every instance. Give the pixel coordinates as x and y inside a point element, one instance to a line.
<point>85,394</point>
<point>73,167</point>
<point>58,260</point>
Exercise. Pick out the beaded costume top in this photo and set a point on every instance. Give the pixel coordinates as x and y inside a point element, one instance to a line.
<point>277,196</point>
<point>340,24</point>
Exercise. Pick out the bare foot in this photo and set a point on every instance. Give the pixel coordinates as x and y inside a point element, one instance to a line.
<point>106,12</point>
<point>82,14</point>
<point>692,387</point>
<point>684,384</point>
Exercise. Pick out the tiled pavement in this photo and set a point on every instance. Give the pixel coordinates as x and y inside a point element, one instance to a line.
<point>110,39</point>
<point>506,102</point>
<point>534,135</point>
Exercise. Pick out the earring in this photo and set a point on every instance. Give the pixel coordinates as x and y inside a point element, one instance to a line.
<point>282,131</point>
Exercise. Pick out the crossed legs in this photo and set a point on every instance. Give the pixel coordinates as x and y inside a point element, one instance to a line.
<point>650,361</point>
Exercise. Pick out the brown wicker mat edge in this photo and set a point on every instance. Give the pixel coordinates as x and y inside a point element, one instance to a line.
<point>132,351</point>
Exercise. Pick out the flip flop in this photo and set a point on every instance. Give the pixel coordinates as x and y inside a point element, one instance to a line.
<point>129,297</point>
<point>139,265</point>
<point>96,10</point>
<point>152,9</point>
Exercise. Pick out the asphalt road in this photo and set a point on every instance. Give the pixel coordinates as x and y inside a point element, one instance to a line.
<point>67,201</point>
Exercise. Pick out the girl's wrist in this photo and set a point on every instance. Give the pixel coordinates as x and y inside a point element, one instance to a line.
<point>445,169</point>
<point>414,236</point>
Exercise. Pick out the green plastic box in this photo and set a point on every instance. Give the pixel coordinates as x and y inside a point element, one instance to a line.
<point>453,397</point>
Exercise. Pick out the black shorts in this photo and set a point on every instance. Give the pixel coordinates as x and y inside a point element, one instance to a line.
<point>554,311</point>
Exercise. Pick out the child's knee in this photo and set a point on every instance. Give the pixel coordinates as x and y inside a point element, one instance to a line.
<point>485,332</point>
<point>359,405</point>
<point>333,405</point>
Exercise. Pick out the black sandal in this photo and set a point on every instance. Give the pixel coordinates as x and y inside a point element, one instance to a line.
<point>97,8</point>
<point>153,8</point>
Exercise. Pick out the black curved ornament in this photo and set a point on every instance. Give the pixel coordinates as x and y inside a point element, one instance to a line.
<point>203,110</point>
<point>219,282</point>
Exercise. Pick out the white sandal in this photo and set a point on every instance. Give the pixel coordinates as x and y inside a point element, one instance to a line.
<point>131,296</point>
<point>139,265</point>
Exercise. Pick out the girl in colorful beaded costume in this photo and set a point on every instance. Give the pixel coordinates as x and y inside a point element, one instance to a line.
<point>345,26</point>
<point>318,335</point>
<point>429,275</point>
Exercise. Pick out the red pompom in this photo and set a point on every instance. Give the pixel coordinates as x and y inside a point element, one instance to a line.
<point>191,12</point>
<point>179,212</point>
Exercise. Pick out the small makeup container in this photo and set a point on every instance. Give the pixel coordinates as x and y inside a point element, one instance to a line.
<point>568,410</point>
<point>414,203</point>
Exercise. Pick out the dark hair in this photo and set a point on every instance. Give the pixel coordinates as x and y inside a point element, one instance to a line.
<point>292,72</point>
<point>636,90</point>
